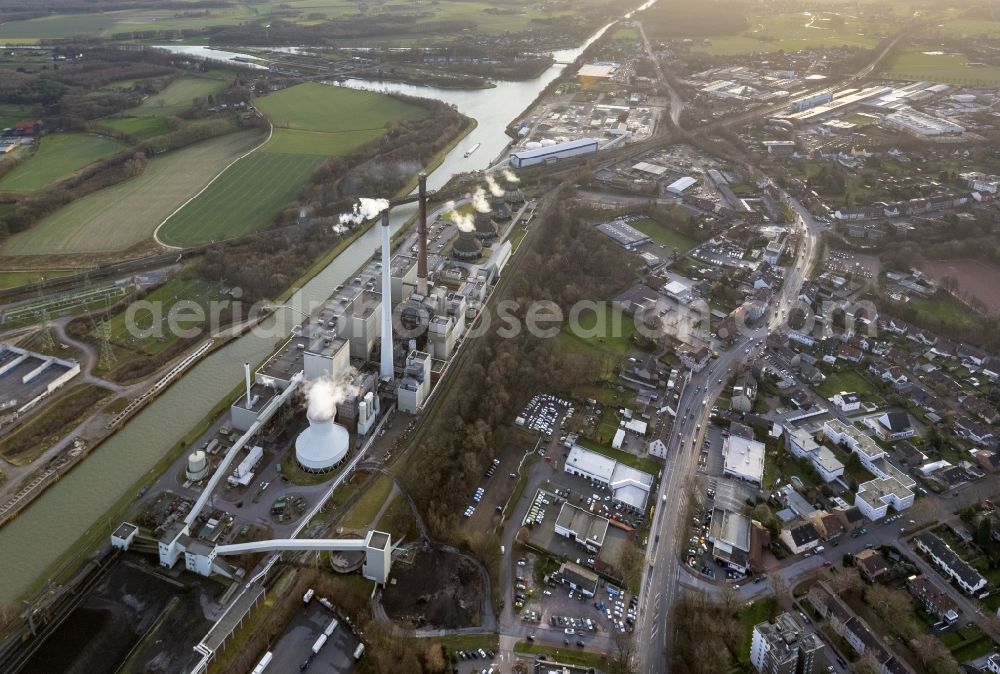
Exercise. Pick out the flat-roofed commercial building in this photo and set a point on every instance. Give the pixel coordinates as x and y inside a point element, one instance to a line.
<point>582,526</point>
<point>744,459</point>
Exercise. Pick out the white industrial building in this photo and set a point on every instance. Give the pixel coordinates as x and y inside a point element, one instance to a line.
<point>922,124</point>
<point>552,153</point>
<point>810,101</point>
<point>744,459</point>
<point>415,385</point>
<point>680,185</point>
<point>26,377</point>
<point>624,234</point>
<point>629,486</point>
<point>678,291</point>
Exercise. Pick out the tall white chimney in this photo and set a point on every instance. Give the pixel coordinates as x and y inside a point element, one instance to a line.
<point>385,366</point>
<point>246,366</point>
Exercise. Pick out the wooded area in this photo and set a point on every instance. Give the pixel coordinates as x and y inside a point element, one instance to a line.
<point>568,262</point>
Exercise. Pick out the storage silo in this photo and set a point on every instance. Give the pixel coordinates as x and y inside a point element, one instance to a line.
<point>197,467</point>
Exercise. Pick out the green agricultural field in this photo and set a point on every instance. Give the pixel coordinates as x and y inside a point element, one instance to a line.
<point>313,122</point>
<point>56,26</point>
<point>58,156</point>
<point>178,96</point>
<point>126,214</point>
<point>940,67</point>
<point>792,32</point>
<point>309,12</point>
<point>320,107</point>
<point>140,127</point>
<point>244,198</point>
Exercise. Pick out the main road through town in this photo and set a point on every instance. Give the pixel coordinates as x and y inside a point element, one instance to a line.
<point>660,581</point>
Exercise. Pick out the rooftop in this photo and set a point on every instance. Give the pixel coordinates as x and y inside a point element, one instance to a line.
<point>744,457</point>
<point>586,525</point>
<point>730,527</point>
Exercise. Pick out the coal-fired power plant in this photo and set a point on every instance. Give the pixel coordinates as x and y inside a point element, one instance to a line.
<point>321,446</point>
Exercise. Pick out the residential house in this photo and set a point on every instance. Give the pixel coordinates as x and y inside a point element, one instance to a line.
<point>696,359</point>
<point>935,600</point>
<point>910,455</point>
<point>800,538</point>
<point>847,402</point>
<point>895,376</point>
<point>850,353</point>
<point>950,563</point>
<point>871,564</point>
<point>744,393</point>
<point>854,630</point>
<point>987,460</point>
<point>978,408</point>
<point>974,431</point>
<point>891,426</point>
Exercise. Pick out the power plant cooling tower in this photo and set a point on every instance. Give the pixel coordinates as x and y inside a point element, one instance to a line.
<point>322,446</point>
<point>197,467</point>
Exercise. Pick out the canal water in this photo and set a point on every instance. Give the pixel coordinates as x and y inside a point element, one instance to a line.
<point>75,504</point>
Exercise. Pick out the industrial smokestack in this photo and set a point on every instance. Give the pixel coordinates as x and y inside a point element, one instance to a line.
<point>422,229</point>
<point>246,366</point>
<point>385,365</point>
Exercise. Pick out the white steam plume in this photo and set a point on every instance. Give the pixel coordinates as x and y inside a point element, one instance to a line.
<point>365,209</point>
<point>324,394</point>
<point>510,177</point>
<point>495,188</point>
<point>463,221</point>
<point>479,201</point>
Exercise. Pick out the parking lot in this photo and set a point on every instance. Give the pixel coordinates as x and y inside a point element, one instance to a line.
<point>477,661</point>
<point>544,413</point>
<point>567,614</point>
<point>497,485</point>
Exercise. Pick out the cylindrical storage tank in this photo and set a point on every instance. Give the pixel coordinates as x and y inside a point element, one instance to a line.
<point>197,467</point>
<point>322,446</point>
<point>319,644</point>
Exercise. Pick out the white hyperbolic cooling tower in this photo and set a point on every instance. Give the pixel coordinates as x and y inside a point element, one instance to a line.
<point>323,445</point>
